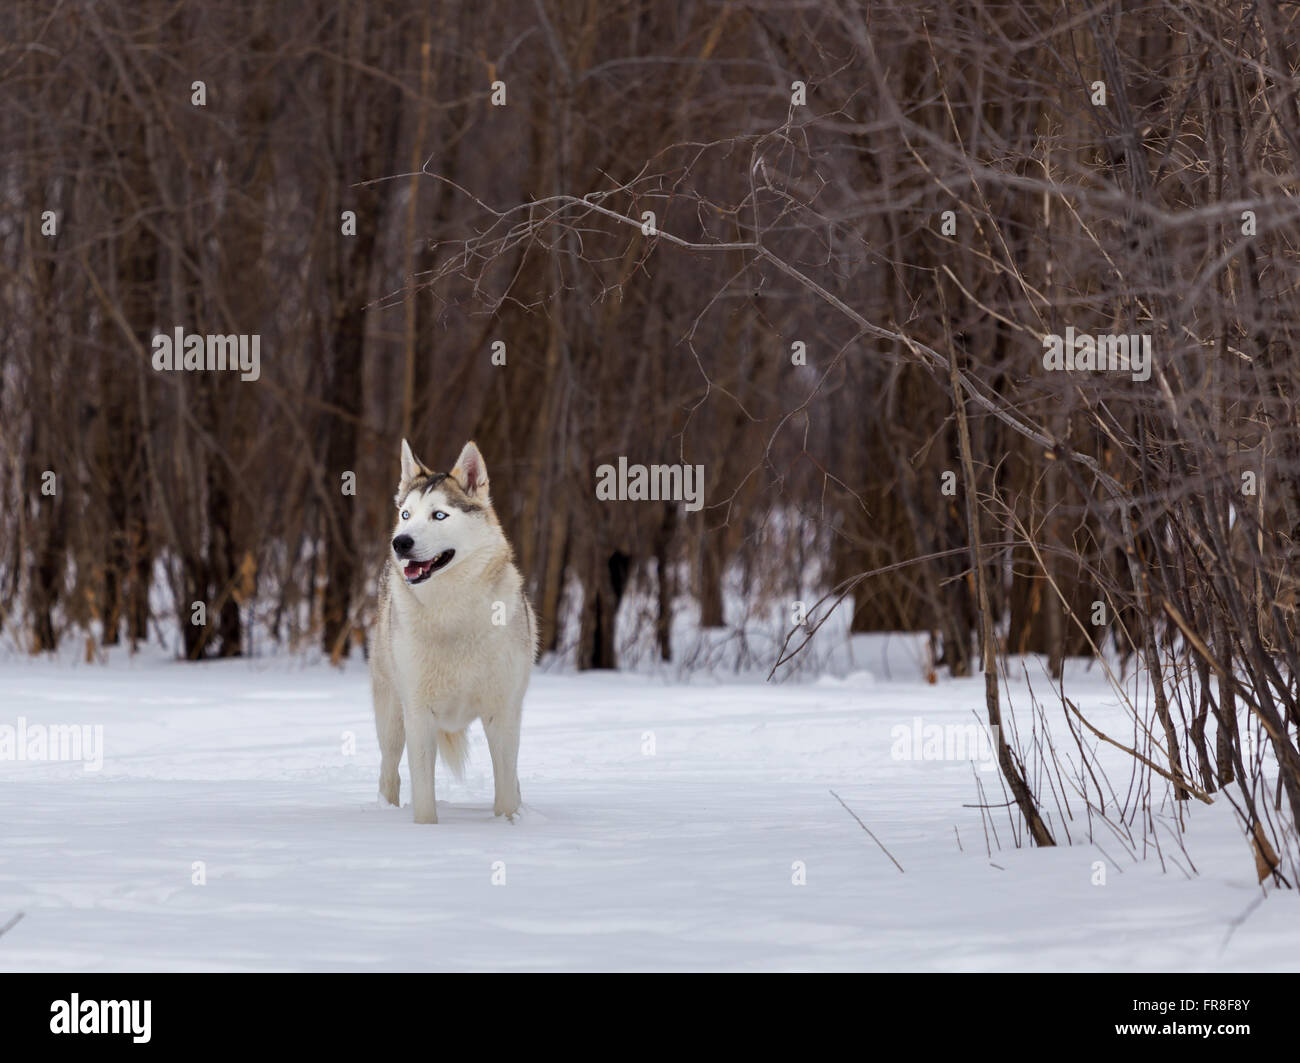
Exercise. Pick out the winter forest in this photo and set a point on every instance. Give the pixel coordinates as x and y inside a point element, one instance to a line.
<point>965,329</point>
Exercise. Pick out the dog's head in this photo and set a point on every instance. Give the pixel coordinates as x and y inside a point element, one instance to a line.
<point>443,519</point>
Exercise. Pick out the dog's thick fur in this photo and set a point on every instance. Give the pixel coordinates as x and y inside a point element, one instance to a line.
<point>454,645</point>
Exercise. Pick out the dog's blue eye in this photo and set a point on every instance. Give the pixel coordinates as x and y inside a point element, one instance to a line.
<point>406,514</point>
<point>440,515</point>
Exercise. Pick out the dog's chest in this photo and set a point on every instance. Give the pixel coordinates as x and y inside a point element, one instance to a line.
<point>456,671</point>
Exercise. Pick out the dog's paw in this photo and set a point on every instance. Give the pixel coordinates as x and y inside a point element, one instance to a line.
<point>509,809</point>
<point>510,815</point>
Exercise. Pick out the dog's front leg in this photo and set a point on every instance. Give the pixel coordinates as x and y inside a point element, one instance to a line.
<point>421,755</point>
<point>392,737</point>
<point>502,730</point>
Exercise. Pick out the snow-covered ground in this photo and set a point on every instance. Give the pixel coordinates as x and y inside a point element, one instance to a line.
<point>666,826</point>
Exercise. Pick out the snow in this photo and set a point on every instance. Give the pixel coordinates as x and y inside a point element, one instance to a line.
<point>663,821</point>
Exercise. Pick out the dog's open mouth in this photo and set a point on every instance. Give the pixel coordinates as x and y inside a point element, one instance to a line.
<point>419,571</point>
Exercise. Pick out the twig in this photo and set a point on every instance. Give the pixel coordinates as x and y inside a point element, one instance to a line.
<point>867,829</point>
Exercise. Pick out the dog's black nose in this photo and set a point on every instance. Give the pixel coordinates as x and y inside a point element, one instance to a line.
<point>402,544</point>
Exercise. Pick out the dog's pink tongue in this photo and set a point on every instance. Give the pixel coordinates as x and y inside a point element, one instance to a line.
<point>412,568</point>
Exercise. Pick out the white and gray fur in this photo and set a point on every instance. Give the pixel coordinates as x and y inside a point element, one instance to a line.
<point>454,643</point>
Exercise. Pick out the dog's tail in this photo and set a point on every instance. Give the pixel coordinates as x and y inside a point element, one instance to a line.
<point>453,747</point>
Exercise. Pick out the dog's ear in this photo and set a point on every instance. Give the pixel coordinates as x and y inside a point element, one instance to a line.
<point>411,465</point>
<point>470,472</point>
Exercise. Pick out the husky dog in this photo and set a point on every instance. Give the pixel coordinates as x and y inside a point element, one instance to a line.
<point>455,637</point>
